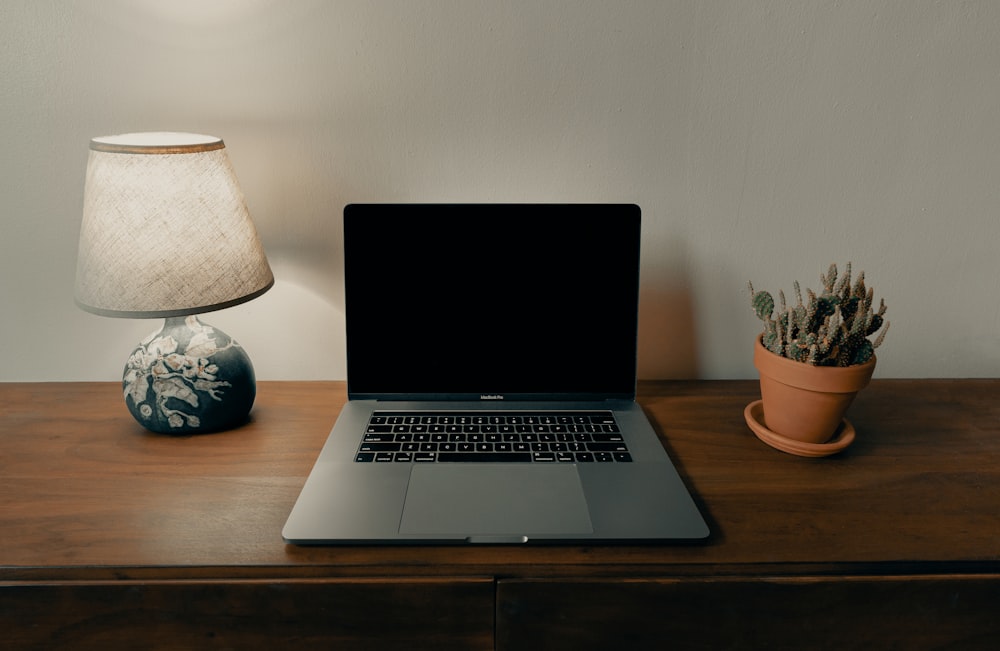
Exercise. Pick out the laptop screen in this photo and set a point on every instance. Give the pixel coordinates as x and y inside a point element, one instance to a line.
<point>491,302</point>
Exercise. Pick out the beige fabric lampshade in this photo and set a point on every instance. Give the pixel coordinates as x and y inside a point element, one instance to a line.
<point>165,230</point>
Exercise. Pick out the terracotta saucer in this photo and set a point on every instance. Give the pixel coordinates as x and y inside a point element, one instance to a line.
<point>754,414</point>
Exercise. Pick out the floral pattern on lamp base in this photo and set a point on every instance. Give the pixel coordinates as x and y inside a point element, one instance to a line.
<point>189,378</point>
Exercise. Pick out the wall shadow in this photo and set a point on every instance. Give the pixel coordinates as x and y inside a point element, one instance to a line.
<point>668,345</point>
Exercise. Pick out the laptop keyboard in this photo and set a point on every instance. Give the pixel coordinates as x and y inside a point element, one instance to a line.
<point>520,437</point>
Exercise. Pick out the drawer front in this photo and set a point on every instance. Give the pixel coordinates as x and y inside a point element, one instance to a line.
<point>308,614</point>
<point>954,612</point>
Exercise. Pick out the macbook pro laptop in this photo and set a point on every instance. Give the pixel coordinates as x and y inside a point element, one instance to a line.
<point>491,362</point>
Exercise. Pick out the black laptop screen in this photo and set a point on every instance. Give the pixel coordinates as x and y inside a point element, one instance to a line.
<point>491,301</point>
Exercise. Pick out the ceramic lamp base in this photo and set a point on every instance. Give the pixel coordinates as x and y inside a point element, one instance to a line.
<point>189,378</point>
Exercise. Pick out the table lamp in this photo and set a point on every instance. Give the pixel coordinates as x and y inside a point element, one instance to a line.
<point>166,234</point>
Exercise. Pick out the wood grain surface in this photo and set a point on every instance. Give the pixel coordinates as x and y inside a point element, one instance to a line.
<point>97,513</point>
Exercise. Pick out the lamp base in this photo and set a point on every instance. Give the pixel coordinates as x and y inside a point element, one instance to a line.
<point>189,378</point>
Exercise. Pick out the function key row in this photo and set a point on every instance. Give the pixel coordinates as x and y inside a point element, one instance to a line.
<point>492,437</point>
<point>412,446</point>
<point>512,418</point>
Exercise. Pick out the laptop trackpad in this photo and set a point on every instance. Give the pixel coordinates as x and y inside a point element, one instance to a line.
<point>472,499</point>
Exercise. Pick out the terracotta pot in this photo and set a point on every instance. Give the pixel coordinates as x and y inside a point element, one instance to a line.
<point>805,402</point>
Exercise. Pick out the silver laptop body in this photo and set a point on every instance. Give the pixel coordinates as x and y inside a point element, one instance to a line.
<point>491,357</point>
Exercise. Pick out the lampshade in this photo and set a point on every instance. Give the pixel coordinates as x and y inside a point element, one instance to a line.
<point>165,230</point>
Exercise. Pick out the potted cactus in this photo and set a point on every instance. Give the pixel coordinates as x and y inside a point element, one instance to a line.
<point>813,357</point>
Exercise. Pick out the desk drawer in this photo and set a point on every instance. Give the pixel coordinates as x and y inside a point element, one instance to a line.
<point>954,612</point>
<point>301,614</point>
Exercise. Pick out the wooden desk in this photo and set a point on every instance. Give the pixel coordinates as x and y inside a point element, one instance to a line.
<point>114,537</point>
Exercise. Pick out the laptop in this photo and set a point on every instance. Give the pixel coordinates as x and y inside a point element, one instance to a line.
<point>491,363</point>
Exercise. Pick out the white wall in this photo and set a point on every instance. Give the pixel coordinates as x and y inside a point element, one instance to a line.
<point>763,140</point>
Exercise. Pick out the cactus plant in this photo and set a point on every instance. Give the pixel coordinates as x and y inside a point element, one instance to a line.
<point>828,329</point>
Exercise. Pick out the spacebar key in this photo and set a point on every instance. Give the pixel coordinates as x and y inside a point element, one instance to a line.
<point>484,457</point>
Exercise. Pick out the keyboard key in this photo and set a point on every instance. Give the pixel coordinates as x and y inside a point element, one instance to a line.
<point>484,457</point>
<point>378,438</point>
<point>380,447</point>
<point>606,447</point>
<point>606,437</point>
